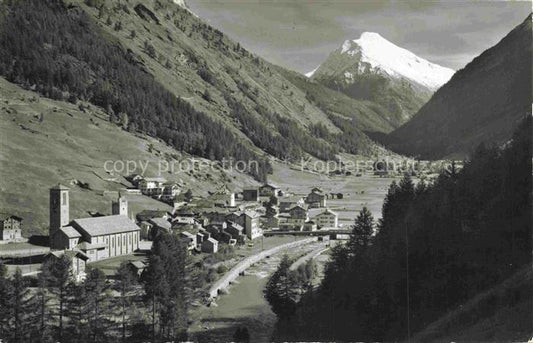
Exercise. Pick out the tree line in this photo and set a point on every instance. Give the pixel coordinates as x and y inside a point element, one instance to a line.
<point>64,55</point>
<point>54,307</point>
<point>436,246</point>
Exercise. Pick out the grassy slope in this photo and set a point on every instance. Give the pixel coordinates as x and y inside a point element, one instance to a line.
<point>71,145</point>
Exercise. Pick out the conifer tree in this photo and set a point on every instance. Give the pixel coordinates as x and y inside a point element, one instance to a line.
<point>280,290</point>
<point>125,283</point>
<point>362,230</point>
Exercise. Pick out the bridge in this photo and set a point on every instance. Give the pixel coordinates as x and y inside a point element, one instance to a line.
<point>333,234</point>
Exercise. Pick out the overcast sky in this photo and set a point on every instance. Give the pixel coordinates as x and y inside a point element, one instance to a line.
<point>300,34</point>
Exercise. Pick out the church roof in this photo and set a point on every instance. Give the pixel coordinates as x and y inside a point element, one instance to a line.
<point>98,226</point>
<point>70,232</point>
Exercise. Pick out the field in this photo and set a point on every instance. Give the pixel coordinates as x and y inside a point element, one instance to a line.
<point>366,190</point>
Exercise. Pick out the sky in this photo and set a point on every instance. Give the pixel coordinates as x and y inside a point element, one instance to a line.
<point>300,34</point>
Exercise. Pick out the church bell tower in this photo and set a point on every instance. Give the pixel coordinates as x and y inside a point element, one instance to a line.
<point>59,208</point>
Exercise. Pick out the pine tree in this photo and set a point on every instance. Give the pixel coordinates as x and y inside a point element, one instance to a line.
<point>125,283</point>
<point>97,302</point>
<point>280,290</point>
<point>20,307</point>
<point>5,298</point>
<point>362,231</point>
<point>59,278</point>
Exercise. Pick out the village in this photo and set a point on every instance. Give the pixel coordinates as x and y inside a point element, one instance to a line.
<point>205,225</point>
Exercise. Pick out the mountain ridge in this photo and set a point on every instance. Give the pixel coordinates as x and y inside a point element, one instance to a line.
<point>482,103</point>
<point>372,68</point>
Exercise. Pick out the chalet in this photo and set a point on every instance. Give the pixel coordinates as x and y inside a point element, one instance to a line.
<point>309,226</point>
<point>146,215</point>
<point>152,185</point>
<point>223,199</point>
<point>210,245</point>
<point>11,228</point>
<point>170,191</point>
<point>200,238</point>
<point>236,231</point>
<point>159,225</point>
<point>316,199</point>
<point>98,237</point>
<point>137,267</point>
<point>286,203</point>
<point>250,194</point>
<point>295,219</point>
<point>268,189</point>
<point>326,218</point>
<point>135,179</point>
<point>189,239</point>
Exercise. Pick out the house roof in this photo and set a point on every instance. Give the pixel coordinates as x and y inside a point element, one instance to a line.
<point>98,226</point>
<point>212,240</point>
<point>187,234</point>
<point>235,226</point>
<point>252,214</point>
<point>317,212</point>
<point>138,264</point>
<point>73,252</point>
<point>291,199</point>
<point>270,185</point>
<point>298,206</point>
<point>70,232</point>
<point>161,222</point>
<point>8,216</point>
<point>152,213</point>
<point>155,179</point>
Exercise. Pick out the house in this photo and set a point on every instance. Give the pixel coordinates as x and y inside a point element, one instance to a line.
<point>250,194</point>
<point>170,191</point>
<point>295,219</point>
<point>251,221</point>
<point>78,262</point>
<point>223,199</point>
<point>189,239</point>
<point>146,215</point>
<point>200,238</point>
<point>236,231</point>
<point>326,219</point>
<point>268,189</point>
<point>210,245</point>
<point>287,202</point>
<point>216,215</point>
<point>309,226</point>
<point>235,217</point>
<point>160,224</point>
<point>137,267</point>
<point>11,228</point>
<point>223,236</point>
<point>152,186</point>
<point>135,179</point>
<point>270,222</point>
<point>98,237</point>
<point>316,199</point>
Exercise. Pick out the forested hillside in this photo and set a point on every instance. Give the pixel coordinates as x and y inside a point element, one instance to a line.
<point>437,246</point>
<point>158,69</point>
<point>483,102</point>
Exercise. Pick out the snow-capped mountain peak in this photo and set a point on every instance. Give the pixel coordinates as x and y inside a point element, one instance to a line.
<point>381,54</point>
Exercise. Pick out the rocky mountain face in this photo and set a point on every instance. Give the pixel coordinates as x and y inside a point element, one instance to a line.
<point>482,103</point>
<point>372,68</point>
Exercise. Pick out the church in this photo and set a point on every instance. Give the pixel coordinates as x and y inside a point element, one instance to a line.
<point>97,237</point>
